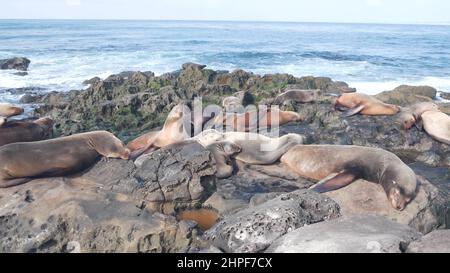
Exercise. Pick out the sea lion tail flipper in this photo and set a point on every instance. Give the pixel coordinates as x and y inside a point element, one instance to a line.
<point>353,111</point>
<point>335,182</point>
<point>13,182</point>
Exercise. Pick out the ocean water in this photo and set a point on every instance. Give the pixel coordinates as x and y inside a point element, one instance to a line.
<point>371,58</point>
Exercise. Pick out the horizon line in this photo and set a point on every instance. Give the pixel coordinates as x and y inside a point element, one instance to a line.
<point>233,21</point>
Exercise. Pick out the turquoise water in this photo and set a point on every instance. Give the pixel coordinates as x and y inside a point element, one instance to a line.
<point>372,58</point>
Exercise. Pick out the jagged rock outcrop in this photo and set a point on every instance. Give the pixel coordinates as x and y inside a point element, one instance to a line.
<point>254,229</point>
<point>17,63</point>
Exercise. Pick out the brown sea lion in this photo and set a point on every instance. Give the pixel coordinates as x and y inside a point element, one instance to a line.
<point>409,115</point>
<point>300,96</point>
<point>172,132</point>
<point>338,166</point>
<point>364,104</point>
<point>257,149</point>
<point>8,110</point>
<point>436,124</point>
<point>254,120</point>
<point>24,161</point>
<point>26,131</point>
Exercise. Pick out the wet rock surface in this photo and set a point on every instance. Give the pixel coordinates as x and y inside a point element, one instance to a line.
<point>356,234</point>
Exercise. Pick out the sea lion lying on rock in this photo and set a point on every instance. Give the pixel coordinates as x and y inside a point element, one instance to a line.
<point>8,110</point>
<point>338,166</point>
<point>409,115</point>
<point>253,120</point>
<point>257,149</point>
<point>22,162</point>
<point>436,124</point>
<point>26,131</point>
<point>364,104</point>
<point>299,96</point>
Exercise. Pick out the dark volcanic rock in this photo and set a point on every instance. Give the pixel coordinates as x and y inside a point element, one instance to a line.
<point>405,95</point>
<point>445,95</point>
<point>436,242</point>
<point>17,63</point>
<point>131,103</point>
<point>254,229</point>
<point>357,234</point>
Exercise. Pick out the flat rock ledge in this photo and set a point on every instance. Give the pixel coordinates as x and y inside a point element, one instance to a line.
<point>355,234</point>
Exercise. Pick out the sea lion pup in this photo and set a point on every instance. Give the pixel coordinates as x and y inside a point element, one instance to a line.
<point>409,115</point>
<point>251,121</point>
<point>338,166</point>
<point>257,149</point>
<point>300,96</point>
<point>26,131</point>
<point>232,105</point>
<point>364,104</point>
<point>222,152</point>
<point>8,110</point>
<point>436,124</point>
<point>24,161</point>
<point>172,132</point>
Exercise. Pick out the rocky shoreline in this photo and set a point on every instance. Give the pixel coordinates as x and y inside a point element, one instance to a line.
<point>118,207</point>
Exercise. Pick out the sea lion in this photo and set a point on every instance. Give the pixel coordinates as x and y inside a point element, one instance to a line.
<point>24,161</point>
<point>172,132</point>
<point>8,110</point>
<point>338,166</point>
<point>222,152</point>
<point>364,104</point>
<point>254,120</point>
<point>257,149</point>
<point>232,105</point>
<point>26,131</point>
<point>409,115</point>
<point>436,124</point>
<point>300,96</point>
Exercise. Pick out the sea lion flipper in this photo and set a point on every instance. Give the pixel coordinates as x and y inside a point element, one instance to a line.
<point>335,182</point>
<point>354,111</point>
<point>13,182</point>
<point>419,124</point>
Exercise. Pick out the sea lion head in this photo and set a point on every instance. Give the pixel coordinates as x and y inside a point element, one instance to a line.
<point>295,139</point>
<point>109,146</point>
<point>208,137</point>
<point>407,120</point>
<point>229,148</point>
<point>402,190</point>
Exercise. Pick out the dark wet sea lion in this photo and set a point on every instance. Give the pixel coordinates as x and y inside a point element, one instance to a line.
<point>300,96</point>
<point>338,166</point>
<point>26,131</point>
<point>358,103</point>
<point>24,161</point>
